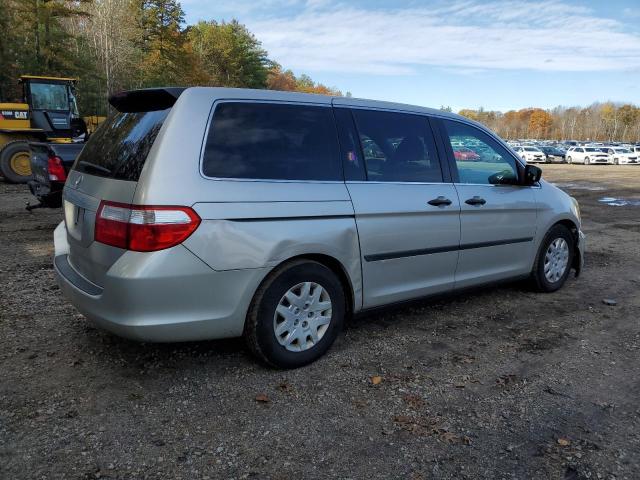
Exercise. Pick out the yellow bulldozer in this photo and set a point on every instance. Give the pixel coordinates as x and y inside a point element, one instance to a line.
<point>48,113</point>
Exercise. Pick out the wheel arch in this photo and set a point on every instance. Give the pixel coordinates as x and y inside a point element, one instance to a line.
<point>572,226</point>
<point>335,266</point>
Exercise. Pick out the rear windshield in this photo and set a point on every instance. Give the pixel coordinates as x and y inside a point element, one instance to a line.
<point>119,148</point>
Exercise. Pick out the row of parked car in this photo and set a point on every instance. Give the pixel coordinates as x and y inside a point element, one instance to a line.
<point>589,153</point>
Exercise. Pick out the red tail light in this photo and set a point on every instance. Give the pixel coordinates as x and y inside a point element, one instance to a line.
<point>56,170</point>
<point>144,228</point>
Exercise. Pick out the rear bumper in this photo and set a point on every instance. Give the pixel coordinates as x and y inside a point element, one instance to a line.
<point>166,296</point>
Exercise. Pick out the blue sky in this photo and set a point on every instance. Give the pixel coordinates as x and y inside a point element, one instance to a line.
<point>496,54</point>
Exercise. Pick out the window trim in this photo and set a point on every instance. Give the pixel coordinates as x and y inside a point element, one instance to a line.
<point>442,131</point>
<point>264,180</point>
<point>429,128</point>
<point>350,130</point>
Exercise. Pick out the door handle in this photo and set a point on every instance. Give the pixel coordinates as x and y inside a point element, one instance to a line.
<point>475,201</point>
<point>437,202</point>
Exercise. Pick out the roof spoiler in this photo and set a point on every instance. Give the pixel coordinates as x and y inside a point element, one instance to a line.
<point>145,100</point>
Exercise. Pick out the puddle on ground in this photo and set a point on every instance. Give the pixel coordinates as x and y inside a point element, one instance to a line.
<point>620,202</point>
<point>581,186</point>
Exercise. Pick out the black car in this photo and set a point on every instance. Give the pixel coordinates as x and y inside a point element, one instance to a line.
<point>554,154</point>
<point>50,164</point>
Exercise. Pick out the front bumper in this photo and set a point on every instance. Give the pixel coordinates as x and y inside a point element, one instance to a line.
<point>166,296</point>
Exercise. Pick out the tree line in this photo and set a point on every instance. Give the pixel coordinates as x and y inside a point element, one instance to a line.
<point>598,122</point>
<point>114,45</point>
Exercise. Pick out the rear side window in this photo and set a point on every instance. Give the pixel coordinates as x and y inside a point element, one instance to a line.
<point>119,148</point>
<point>272,141</point>
<point>397,147</point>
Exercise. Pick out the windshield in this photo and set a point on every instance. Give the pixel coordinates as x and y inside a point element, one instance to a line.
<point>531,149</point>
<point>49,96</point>
<point>621,150</point>
<point>592,149</point>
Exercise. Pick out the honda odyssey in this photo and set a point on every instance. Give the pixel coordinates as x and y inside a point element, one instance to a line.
<point>205,213</point>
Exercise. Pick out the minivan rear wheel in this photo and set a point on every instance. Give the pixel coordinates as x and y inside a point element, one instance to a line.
<point>295,315</point>
<point>554,259</point>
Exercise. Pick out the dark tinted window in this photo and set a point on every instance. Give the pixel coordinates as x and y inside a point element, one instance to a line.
<point>119,148</point>
<point>479,158</point>
<point>397,147</point>
<point>272,141</point>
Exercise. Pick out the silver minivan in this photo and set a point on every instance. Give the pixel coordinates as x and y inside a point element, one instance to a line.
<point>206,213</point>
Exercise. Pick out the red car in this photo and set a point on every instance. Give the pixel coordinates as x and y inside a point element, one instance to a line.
<point>465,155</point>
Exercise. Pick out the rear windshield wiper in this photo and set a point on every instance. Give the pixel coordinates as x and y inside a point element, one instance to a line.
<point>99,168</point>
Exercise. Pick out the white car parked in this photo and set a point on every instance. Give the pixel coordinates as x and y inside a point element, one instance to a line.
<point>531,154</point>
<point>636,150</point>
<point>587,155</point>
<point>622,156</point>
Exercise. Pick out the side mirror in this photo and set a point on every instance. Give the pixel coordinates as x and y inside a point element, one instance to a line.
<point>532,174</point>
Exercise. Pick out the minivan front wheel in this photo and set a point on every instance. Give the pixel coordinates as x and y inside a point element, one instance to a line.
<point>295,315</point>
<point>554,260</point>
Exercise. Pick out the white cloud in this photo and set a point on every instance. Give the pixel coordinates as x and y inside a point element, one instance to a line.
<point>461,34</point>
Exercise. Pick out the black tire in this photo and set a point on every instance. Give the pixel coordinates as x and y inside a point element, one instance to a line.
<point>9,150</point>
<point>586,161</point>
<point>540,282</point>
<point>569,160</point>
<point>259,328</point>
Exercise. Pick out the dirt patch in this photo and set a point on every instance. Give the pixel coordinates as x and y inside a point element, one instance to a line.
<point>496,383</point>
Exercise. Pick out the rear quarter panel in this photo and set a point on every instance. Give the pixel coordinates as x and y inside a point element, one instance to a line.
<point>247,223</point>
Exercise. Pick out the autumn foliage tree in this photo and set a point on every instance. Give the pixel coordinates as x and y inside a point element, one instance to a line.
<point>598,122</point>
<point>540,123</point>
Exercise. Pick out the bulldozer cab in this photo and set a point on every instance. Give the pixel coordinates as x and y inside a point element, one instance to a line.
<point>52,106</point>
<point>48,113</point>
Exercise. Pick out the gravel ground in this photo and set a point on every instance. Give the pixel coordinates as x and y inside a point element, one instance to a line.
<point>498,383</point>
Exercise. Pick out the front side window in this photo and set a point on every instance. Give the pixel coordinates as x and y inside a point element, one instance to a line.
<point>492,163</point>
<point>272,141</point>
<point>397,147</point>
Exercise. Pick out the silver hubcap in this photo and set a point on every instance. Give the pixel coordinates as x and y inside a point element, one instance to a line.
<point>556,260</point>
<point>302,316</point>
